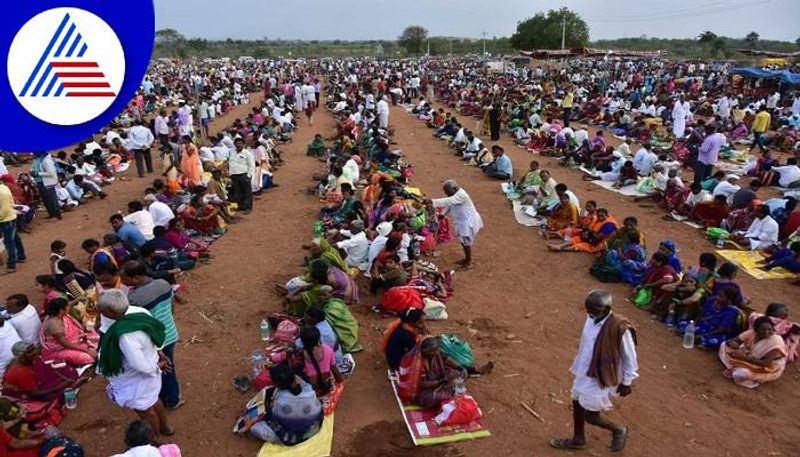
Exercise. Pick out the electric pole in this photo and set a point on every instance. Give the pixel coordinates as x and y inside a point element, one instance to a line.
<point>563,30</point>
<point>484,45</point>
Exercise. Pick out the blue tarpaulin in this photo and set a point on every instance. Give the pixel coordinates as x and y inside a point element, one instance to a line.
<point>785,76</point>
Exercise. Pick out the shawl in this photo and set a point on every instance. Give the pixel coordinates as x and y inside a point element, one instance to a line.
<point>110,362</point>
<point>606,357</point>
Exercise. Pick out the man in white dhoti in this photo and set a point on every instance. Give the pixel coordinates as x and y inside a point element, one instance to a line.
<point>679,114</point>
<point>605,366</point>
<point>466,219</point>
<point>382,110</point>
<point>724,107</point>
<point>131,360</point>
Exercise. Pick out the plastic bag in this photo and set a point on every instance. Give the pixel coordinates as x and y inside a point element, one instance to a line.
<point>457,349</point>
<point>460,410</point>
<point>434,309</point>
<point>716,233</point>
<point>643,297</point>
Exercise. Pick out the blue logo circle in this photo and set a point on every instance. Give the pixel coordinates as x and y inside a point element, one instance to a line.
<point>72,67</point>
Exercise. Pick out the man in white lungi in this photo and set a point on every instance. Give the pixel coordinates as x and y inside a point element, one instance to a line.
<point>680,111</point>
<point>605,366</point>
<point>465,217</point>
<point>382,109</point>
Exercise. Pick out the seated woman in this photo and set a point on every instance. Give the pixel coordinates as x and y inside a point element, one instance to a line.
<point>295,412</point>
<point>317,147</point>
<point>778,314</point>
<point>630,260</point>
<point>402,336</point>
<point>669,249</point>
<point>63,338</point>
<point>658,274</point>
<point>563,216</point>
<point>591,240</point>
<point>439,375</point>
<point>711,214</point>
<point>315,317</point>
<point>38,384</point>
<point>319,362</point>
<point>309,293</point>
<point>684,297</point>
<point>719,319</point>
<point>755,356</point>
<point>425,277</point>
<point>202,218</point>
<point>176,235</point>
<point>47,285</point>
<point>763,168</point>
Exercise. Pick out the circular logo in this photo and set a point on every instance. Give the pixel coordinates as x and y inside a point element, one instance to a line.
<point>66,66</point>
<point>71,67</point>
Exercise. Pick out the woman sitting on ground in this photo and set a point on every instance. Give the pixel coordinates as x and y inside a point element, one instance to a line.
<point>685,297</point>
<point>658,274</point>
<point>718,321</point>
<point>755,356</point>
<point>778,313</point>
<point>202,218</point>
<point>319,363</point>
<point>630,260</point>
<point>176,235</point>
<point>402,336</point>
<point>295,413</point>
<point>63,338</point>
<point>591,240</point>
<point>438,375</point>
<point>564,215</point>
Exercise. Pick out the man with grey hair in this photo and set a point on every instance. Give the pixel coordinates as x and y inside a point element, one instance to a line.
<point>131,361</point>
<point>160,212</point>
<point>356,246</point>
<point>605,366</point>
<point>466,219</point>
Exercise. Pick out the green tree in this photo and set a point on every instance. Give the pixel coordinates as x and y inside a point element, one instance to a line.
<point>752,39</point>
<point>413,39</point>
<point>717,46</point>
<point>169,37</point>
<point>543,31</point>
<point>797,41</point>
<point>707,37</point>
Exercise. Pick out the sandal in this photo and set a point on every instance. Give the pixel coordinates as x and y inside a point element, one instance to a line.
<point>566,444</point>
<point>242,383</point>
<point>169,431</point>
<point>618,440</point>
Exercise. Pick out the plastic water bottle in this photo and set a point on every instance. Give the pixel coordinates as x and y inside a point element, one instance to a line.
<point>458,386</point>
<point>265,330</point>
<point>258,362</point>
<point>688,336</point>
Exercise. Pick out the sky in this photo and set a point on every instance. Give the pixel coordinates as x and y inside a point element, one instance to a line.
<point>386,19</point>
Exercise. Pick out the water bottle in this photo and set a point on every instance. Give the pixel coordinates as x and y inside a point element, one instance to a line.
<point>688,336</point>
<point>265,330</point>
<point>458,386</point>
<point>258,362</point>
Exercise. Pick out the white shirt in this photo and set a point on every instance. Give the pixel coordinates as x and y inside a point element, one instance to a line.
<point>8,336</point>
<point>351,170</point>
<point>143,221</point>
<point>26,323</point>
<point>376,247</point>
<point>357,249</point>
<point>161,126</point>
<point>725,188</point>
<point>762,233</point>
<point>140,137</point>
<point>161,213</point>
<point>140,451</point>
<point>590,393</point>
<point>466,219</point>
<point>789,174</point>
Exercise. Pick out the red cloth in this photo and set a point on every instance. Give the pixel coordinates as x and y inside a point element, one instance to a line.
<point>791,224</point>
<point>5,451</point>
<point>399,299</point>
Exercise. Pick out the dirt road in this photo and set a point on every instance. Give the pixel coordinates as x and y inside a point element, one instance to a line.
<point>521,307</point>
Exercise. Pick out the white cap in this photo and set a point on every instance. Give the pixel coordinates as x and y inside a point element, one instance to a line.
<point>384,228</point>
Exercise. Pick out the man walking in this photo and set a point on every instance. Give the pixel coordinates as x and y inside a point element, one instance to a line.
<point>242,167</point>
<point>605,366</point>
<point>760,126</point>
<point>140,139</point>
<point>708,154</point>
<point>15,251</point>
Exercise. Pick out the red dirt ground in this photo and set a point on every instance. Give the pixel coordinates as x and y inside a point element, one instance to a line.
<point>681,404</point>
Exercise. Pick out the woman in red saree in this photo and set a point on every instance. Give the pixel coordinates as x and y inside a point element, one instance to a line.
<point>593,239</point>
<point>190,165</point>
<point>658,274</point>
<point>778,313</point>
<point>201,218</point>
<point>755,356</point>
<point>62,337</point>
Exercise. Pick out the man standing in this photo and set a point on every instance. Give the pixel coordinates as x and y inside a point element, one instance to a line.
<point>46,176</point>
<point>680,112</point>
<point>760,126</point>
<point>156,296</point>
<point>241,167</point>
<point>708,154</point>
<point>466,219</point>
<point>130,360</point>
<point>205,118</point>
<point>140,139</point>
<point>15,251</point>
<point>605,366</point>
<point>382,110</point>
<point>567,104</point>
<point>162,127</point>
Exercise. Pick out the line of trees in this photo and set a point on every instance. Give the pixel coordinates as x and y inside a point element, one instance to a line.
<point>544,30</point>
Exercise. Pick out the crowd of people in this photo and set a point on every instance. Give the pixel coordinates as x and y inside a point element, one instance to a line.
<point>549,113</point>
<point>112,313</point>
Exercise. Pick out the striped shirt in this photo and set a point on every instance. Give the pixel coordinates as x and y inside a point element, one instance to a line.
<point>155,295</point>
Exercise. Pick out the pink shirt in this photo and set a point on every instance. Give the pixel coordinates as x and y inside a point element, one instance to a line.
<point>325,364</point>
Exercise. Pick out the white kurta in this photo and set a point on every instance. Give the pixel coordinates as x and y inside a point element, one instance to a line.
<point>762,233</point>
<point>466,219</point>
<point>139,384</point>
<point>588,391</point>
<point>678,120</point>
<point>383,114</point>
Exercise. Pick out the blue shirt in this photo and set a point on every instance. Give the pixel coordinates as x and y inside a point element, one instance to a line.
<point>128,233</point>
<point>503,165</point>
